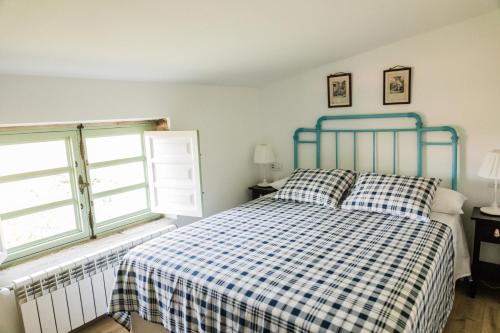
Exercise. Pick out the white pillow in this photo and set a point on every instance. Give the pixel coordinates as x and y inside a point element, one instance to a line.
<point>277,184</point>
<point>448,201</point>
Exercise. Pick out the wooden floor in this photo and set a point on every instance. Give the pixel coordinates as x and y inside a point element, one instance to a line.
<point>475,315</point>
<point>469,315</point>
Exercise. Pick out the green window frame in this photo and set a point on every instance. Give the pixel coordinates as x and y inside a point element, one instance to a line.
<point>79,170</point>
<point>132,217</point>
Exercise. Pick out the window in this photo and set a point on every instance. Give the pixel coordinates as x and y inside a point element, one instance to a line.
<point>64,184</point>
<point>40,205</point>
<point>118,180</point>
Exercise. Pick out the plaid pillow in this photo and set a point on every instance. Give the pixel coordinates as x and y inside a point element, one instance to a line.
<point>317,186</point>
<point>403,196</point>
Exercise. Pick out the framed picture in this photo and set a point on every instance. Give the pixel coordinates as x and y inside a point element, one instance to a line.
<point>339,90</point>
<point>397,85</point>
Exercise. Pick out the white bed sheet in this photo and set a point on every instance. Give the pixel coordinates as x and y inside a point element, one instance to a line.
<point>462,257</point>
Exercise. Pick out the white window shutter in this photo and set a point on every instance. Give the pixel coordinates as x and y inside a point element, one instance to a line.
<point>173,162</point>
<point>3,248</point>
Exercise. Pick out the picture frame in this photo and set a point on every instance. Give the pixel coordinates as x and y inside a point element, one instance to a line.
<point>339,90</point>
<point>397,85</point>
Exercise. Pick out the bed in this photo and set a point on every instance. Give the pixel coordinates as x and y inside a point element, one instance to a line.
<point>276,266</point>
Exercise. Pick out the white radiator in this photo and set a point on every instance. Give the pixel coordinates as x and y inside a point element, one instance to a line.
<point>63,298</point>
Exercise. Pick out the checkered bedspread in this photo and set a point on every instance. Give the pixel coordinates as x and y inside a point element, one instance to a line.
<point>273,266</point>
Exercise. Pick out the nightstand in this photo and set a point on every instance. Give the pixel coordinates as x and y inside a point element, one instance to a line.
<point>487,230</point>
<point>258,191</point>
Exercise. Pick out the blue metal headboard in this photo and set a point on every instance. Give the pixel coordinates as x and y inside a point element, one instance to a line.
<point>418,128</point>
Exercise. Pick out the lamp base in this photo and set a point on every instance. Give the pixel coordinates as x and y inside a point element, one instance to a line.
<point>264,183</point>
<point>495,211</point>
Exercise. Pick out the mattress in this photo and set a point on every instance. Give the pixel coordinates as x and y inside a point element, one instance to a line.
<point>273,266</point>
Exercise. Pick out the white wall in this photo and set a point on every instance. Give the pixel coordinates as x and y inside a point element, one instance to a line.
<point>456,81</point>
<point>225,117</point>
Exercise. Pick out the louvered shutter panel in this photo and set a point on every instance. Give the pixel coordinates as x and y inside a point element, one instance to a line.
<point>174,172</point>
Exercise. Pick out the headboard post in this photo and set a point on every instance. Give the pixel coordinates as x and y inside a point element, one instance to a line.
<point>454,177</point>
<point>296,149</point>
<point>420,152</point>
<point>419,128</point>
<point>318,145</point>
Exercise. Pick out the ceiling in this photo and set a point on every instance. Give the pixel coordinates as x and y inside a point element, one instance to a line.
<point>233,42</point>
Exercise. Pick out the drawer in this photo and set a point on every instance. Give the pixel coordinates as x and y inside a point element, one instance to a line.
<point>489,231</point>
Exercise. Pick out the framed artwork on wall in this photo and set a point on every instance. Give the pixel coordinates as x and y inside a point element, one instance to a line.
<point>397,85</point>
<point>339,90</point>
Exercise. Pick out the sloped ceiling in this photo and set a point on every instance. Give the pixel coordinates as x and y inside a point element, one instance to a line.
<point>233,42</point>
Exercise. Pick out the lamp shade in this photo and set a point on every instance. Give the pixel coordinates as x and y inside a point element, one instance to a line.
<point>263,154</point>
<point>490,168</point>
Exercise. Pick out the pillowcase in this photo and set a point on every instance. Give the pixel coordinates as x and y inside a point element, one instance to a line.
<point>448,201</point>
<point>317,186</point>
<point>403,196</point>
<point>277,184</point>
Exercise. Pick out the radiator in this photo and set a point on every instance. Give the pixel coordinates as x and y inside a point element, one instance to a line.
<point>65,297</point>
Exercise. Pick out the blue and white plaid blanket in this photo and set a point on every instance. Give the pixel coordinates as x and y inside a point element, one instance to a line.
<point>274,266</point>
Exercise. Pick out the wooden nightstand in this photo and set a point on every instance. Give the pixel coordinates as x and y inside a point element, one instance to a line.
<point>258,191</point>
<point>487,230</point>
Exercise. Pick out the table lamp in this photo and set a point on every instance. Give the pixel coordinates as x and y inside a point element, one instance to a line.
<point>490,169</point>
<point>263,155</point>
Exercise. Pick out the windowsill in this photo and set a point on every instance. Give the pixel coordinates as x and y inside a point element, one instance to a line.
<point>58,257</point>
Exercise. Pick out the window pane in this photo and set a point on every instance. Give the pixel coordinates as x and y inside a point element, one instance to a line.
<point>120,204</point>
<point>33,192</point>
<point>110,148</point>
<point>33,227</point>
<point>19,158</point>
<point>109,178</point>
